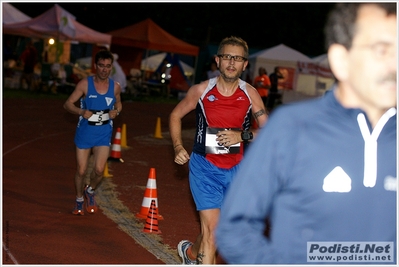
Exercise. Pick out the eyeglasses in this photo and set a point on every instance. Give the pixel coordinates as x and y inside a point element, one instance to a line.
<point>380,50</point>
<point>229,57</point>
<point>104,66</point>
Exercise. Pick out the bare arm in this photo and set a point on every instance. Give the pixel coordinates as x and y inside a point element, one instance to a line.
<point>258,108</point>
<point>118,103</point>
<point>188,104</point>
<point>80,91</point>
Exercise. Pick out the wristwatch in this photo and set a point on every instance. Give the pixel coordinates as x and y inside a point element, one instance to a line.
<point>246,136</point>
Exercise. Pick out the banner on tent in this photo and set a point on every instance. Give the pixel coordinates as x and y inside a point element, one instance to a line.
<point>314,69</point>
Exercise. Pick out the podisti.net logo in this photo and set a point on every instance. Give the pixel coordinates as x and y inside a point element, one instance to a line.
<point>350,252</point>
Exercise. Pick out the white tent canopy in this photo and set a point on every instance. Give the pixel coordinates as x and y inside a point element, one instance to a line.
<point>325,79</point>
<point>286,57</point>
<point>280,55</point>
<point>322,61</point>
<point>13,15</point>
<point>152,63</point>
<point>280,52</point>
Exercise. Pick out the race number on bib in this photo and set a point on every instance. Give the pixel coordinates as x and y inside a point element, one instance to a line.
<point>99,117</point>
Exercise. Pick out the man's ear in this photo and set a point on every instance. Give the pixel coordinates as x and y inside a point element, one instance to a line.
<point>245,65</point>
<point>217,61</point>
<point>338,60</point>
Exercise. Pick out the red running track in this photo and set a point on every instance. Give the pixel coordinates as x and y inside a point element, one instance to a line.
<point>38,189</point>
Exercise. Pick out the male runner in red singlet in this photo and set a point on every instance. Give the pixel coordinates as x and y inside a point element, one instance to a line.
<point>100,102</point>
<point>224,106</point>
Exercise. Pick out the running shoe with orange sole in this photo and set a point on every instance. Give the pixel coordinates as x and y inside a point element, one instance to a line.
<point>91,205</point>
<point>78,209</point>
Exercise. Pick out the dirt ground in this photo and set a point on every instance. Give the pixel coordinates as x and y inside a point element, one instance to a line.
<point>38,190</point>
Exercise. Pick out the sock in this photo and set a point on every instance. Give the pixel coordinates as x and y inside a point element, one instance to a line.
<point>190,254</point>
<point>79,199</point>
<point>90,190</point>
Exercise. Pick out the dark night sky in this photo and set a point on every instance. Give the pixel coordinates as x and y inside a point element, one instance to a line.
<point>261,24</point>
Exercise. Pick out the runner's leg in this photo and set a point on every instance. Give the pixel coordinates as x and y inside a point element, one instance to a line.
<point>207,250</point>
<point>100,154</point>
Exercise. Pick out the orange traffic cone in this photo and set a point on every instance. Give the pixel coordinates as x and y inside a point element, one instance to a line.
<point>106,173</point>
<point>116,147</point>
<point>150,194</point>
<point>158,133</point>
<point>123,137</point>
<point>151,224</point>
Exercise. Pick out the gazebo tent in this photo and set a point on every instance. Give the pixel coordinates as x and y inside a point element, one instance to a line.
<point>280,55</point>
<point>61,25</point>
<point>58,24</point>
<point>130,42</point>
<point>148,35</point>
<point>13,15</point>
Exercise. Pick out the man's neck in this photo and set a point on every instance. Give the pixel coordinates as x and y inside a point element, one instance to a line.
<point>227,87</point>
<point>97,79</point>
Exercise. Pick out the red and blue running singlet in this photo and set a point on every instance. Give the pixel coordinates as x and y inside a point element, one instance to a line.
<point>217,111</point>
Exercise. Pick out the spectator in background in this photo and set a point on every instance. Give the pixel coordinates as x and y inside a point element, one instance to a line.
<point>324,171</point>
<point>273,91</point>
<point>262,84</point>
<point>29,58</point>
<point>118,75</point>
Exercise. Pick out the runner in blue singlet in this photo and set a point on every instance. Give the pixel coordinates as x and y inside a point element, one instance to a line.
<point>100,102</point>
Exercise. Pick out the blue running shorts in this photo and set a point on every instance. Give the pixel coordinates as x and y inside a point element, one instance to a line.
<point>90,138</point>
<point>208,183</point>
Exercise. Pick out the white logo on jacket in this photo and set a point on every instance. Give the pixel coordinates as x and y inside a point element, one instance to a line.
<point>337,181</point>
<point>390,183</point>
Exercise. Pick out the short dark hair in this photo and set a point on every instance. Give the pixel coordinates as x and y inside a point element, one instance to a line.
<point>237,41</point>
<point>104,54</point>
<point>341,23</point>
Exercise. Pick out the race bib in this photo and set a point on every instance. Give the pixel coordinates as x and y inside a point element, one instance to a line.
<point>213,147</point>
<point>99,117</point>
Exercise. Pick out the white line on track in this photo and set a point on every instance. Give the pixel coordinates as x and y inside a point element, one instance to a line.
<point>9,254</point>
